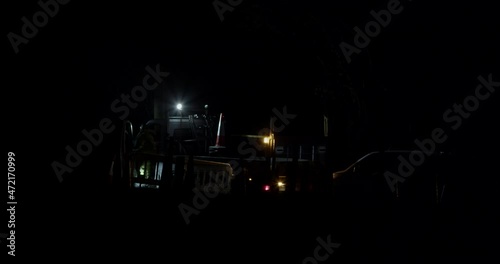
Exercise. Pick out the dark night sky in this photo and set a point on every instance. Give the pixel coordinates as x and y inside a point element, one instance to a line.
<point>263,55</point>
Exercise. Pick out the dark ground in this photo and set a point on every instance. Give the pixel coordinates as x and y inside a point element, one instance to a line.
<point>276,229</point>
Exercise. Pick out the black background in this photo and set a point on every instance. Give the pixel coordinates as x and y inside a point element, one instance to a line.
<point>263,55</point>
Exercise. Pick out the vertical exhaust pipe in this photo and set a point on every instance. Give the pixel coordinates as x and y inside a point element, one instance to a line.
<point>220,132</point>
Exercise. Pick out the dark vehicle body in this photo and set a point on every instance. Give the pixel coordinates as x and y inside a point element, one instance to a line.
<point>384,177</point>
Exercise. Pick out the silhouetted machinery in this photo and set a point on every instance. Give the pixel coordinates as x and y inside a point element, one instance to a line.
<point>163,155</point>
